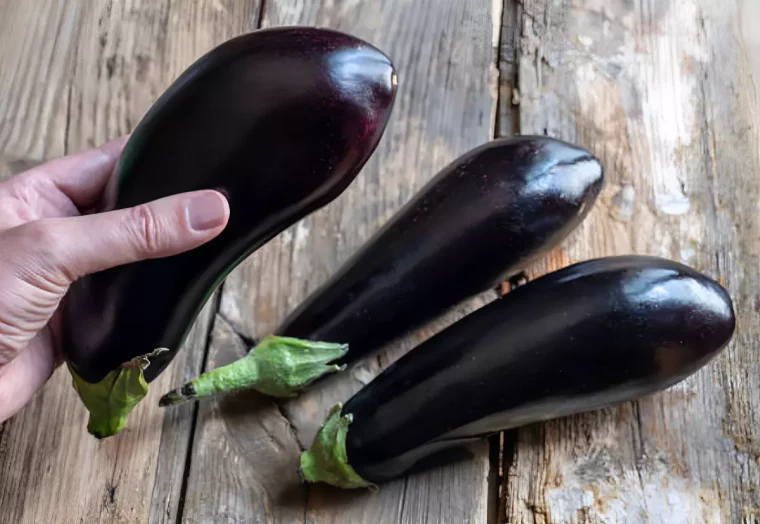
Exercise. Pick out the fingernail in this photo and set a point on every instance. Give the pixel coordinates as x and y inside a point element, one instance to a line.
<point>206,211</point>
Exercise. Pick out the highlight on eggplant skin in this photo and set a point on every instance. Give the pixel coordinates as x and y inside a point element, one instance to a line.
<point>585,337</point>
<point>479,221</point>
<point>279,120</point>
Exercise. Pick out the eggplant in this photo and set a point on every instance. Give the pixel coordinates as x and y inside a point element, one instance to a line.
<point>480,220</point>
<point>588,336</point>
<point>280,121</point>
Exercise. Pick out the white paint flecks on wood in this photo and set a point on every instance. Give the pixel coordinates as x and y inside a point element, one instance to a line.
<point>665,93</point>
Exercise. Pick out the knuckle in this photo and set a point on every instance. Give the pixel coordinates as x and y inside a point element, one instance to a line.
<point>38,235</point>
<point>145,229</point>
<point>11,340</point>
<point>41,254</point>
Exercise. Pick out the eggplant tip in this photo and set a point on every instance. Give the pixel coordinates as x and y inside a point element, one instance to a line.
<point>177,396</point>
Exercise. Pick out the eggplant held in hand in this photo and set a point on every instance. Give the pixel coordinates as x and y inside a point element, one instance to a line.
<point>279,120</point>
<point>582,338</point>
<point>476,223</point>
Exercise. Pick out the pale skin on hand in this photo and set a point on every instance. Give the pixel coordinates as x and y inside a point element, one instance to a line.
<point>47,243</point>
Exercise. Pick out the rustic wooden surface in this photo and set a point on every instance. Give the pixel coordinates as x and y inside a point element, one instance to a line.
<point>444,53</point>
<point>665,92</point>
<point>72,75</point>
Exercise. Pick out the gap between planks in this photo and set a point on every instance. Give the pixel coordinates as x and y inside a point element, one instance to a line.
<point>504,122</point>
<point>217,298</point>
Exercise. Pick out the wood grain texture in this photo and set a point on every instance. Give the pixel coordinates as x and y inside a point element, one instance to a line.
<point>244,465</point>
<point>73,75</point>
<point>445,106</point>
<point>53,471</point>
<point>666,93</point>
<point>37,48</point>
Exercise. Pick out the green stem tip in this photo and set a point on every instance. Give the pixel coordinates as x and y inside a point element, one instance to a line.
<point>278,367</point>
<point>327,461</point>
<point>111,400</point>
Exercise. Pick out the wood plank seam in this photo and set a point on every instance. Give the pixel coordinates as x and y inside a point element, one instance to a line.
<point>217,298</point>
<point>650,86</point>
<point>244,338</point>
<point>435,120</point>
<point>507,124</point>
<point>215,315</point>
<point>504,77</point>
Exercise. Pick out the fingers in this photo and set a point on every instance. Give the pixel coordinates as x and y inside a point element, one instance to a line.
<point>81,177</point>
<point>65,249</point>
<point>40,259</point>
<point>23,376</point>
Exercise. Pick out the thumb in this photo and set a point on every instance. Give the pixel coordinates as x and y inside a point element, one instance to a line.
<point>40,259</point>
<point>65,249</point>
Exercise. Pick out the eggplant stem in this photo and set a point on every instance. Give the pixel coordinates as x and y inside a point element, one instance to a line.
<point>112,399</point>
<point>327,461</point>
<point>278,367</point>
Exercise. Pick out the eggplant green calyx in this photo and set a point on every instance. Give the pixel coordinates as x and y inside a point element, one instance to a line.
<point>278,367</point>
<point>111,400</point>
<point>326,461</point>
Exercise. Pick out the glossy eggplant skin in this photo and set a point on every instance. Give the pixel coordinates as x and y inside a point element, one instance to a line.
<point>280,121</point>
<point>477,222</point>
<point>584,337</point>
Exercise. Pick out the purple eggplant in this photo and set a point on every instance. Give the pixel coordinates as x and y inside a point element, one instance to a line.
<point>281,121</point>
<point>585,337</point>
<point>479,221</point>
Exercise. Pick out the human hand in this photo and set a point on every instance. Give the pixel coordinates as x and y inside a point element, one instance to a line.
<point>46,242</point>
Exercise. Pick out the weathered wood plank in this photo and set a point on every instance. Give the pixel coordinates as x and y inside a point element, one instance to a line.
<point>666,94</point>
<point>37,46</point>
<point>509,92</point>
<point>132,477</point>
<point>241,467</point>
<point>446,105</point>
<point>60,92</point>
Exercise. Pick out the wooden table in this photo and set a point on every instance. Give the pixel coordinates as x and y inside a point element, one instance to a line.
<point>665,92</point>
